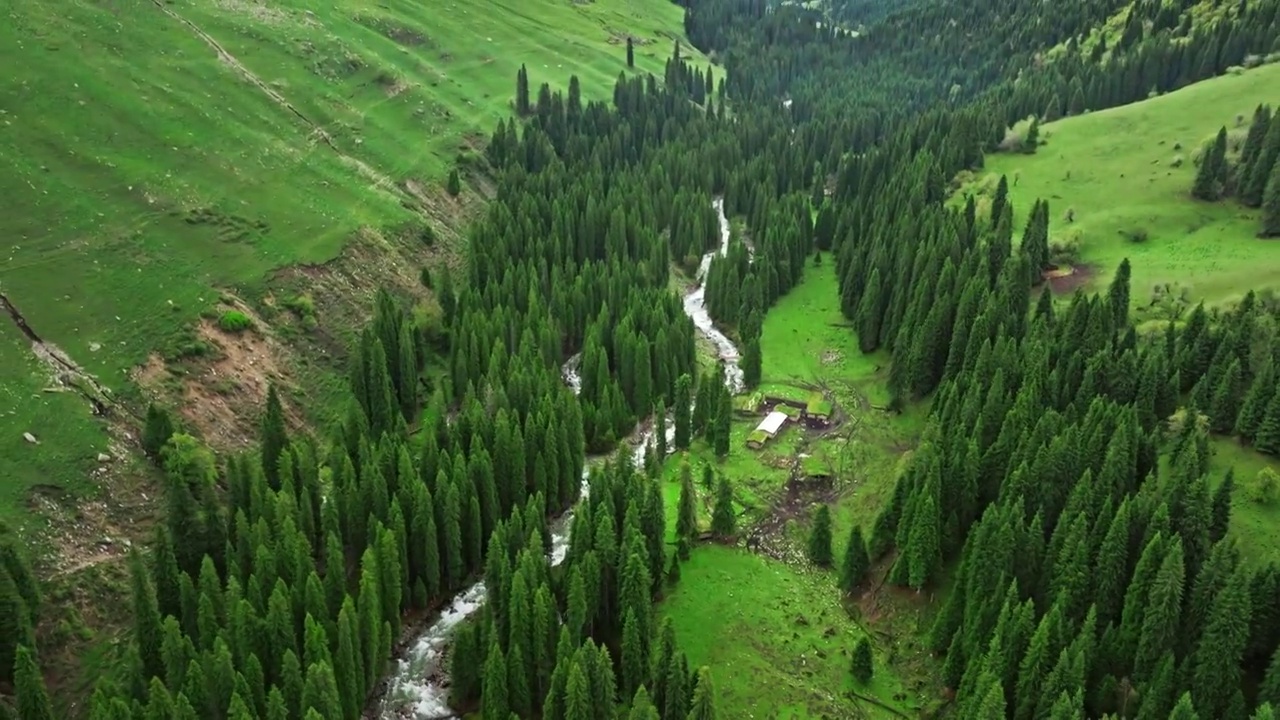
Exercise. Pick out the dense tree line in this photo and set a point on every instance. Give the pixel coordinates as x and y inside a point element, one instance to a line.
<point>1252,176</point>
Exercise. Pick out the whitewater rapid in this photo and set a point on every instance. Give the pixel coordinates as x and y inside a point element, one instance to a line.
<point>419,689</point>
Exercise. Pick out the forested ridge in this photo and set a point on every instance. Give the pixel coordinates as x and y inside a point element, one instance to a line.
<point>1061,484</point>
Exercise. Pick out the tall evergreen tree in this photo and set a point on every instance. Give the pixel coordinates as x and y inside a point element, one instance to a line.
<point>682,408</point>
<point>723,518</point>
<point>861,663</point>
<point>1271,203</point>
<point>274,438</point>
<point>1212,172</point>
<point>819,546</point>
<point>33,700</point>
<point>856,563</point>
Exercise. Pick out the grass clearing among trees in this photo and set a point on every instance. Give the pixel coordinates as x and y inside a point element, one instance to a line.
<point>1129,170</point>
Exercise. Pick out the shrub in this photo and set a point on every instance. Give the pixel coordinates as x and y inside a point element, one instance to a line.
<point>301,305</point>
<point>1137,235</point>
<point>1064,249</point>
<point>1176,161</point>
<point>234,321</point>
<point>1266,487</point>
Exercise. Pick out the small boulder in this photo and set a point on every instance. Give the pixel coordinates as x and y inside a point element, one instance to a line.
<point>30,438</point>
<point>104,458</point>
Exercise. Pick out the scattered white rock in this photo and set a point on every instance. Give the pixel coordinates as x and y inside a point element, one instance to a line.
<point>95,347</point>
<point>104,458</point>
<point>30,438</point>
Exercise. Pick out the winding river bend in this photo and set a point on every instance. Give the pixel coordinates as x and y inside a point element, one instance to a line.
<point>418,688</point>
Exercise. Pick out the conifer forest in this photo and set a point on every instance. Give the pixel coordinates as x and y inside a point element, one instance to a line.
<point>809,369</point>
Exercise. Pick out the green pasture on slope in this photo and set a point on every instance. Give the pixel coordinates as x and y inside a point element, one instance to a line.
<point>1116,170</point>
<point>777,639</point>
<point>146,170</point>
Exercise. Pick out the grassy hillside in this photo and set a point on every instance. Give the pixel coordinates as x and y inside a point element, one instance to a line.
<point>159,153</point>
<point>1119,171</point>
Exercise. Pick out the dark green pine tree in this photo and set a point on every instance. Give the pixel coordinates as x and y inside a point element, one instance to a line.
<point>1271,203</point>
<point>861,664</point>
<point>1184,709</point>
<point>1254,407</point>
<point>147,627</point>
<point>703,704</point>
<point>493,698</point>
<point>1215,665</point>
<point>1267,439</point>
<point>522,91</point>
<point>1212,172</point>
<point>723,420</point>
<point>752,362</point>
<point>454,185</point>
<point>634,667</point>
<point>687,511</point>
<point>33,701</point>
<point>274,438</point>
<point>660,431</point>
<point>157,431</point>
<point>631,53</point>
<point>869,314</point>
<point>683,402</point>
<point>642,707</point>
<point>856,563</point>
<point>999,201</point>
<point>723,518</point>
<point>819,546</point>
<point>1118,295</point>
<point>1260,172</point>
<point>1225,405</point>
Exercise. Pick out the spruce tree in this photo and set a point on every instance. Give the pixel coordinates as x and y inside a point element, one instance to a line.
<point>723,518</point>
<point>1255,185</point>
<point>683,400</point>
<point>703,704</point>
<point>631,53</point>
<point>454,185</point>
<point>1185,709</point>
<point>723,420</point>
<point>819,546</point>
<point>1271,203</point>
<point>157,431</point>
<point>274,438</point>
<point>861,665</point>
<point>1212,172</point>
<point>147,628</point>
<point>751,362</point>
<point>687,512</point>
<point>33,700</point>
<point>856,562</point>
<point>1267,439</point>
<point>522,91</point>
<point>494,698</point>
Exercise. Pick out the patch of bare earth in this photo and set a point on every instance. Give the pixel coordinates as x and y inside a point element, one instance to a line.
<point>222,396</point>
<point>1065,280</point>
<point>770,537</point>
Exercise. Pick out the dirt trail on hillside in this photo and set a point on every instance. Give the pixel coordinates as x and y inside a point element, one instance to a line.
<point>380,180</point>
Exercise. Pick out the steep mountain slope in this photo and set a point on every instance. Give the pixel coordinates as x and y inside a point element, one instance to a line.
<point>163,157</point>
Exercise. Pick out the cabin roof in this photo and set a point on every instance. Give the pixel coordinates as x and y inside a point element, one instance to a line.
<point>772,422</point>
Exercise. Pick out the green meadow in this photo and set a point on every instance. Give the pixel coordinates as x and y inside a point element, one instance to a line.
<point>1130,169</point>
<point>159,153</point>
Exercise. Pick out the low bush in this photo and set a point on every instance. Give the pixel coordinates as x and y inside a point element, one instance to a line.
<point>1136,235</point>
<point>234,321</point>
